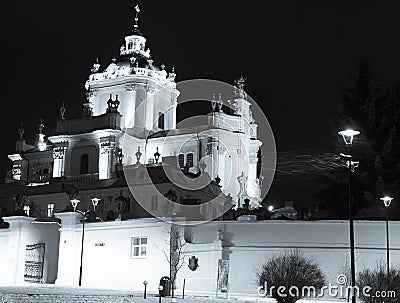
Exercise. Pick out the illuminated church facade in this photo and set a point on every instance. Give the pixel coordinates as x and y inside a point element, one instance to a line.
<point>130,121</point>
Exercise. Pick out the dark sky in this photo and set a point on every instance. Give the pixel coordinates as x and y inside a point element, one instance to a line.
<point>296,55</point>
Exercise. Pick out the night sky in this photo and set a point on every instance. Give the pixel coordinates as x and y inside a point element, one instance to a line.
<point>296,56</point>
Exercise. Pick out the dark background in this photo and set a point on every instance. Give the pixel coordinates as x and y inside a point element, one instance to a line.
<point>296,56</point>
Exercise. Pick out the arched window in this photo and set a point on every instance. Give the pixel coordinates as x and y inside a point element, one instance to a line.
<point>84,164</point>
<point>181,160</point>
<point>189,160</point>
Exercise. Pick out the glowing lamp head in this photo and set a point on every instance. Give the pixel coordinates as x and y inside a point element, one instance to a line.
<point>270,208</point>
<point>42,146</point>
<point>348,135</point>
<point>95,201</point>
<point>75,203</point>
<point>387,200</point>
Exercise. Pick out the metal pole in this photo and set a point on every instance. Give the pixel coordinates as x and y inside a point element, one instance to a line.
<point>387,245</point>
<point>183,289</point>
<point>352,264</point>
<point>83,238</point>
<point>144,296</point>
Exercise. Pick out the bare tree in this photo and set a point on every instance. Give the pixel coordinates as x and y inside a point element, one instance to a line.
<point>178,251</point>
<point>378,282</point>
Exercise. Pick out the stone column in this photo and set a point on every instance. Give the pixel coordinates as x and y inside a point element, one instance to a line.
<point>106,150</point>
<point>59,153</point>
<point>69,249</point>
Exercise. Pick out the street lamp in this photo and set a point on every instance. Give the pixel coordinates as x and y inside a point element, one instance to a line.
<point>95,201</point>
<point>348,136</point>
<point>386,201</point>
<point>75,203</point>
<point>157,155</point>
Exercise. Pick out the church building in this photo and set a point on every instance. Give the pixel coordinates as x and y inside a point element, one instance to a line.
<point>127,138</point>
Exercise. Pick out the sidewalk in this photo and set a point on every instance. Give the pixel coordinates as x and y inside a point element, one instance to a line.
<point>51,293</point>
<point>45,293</point>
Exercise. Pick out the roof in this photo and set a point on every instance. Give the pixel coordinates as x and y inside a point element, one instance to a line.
<point>59,185</point>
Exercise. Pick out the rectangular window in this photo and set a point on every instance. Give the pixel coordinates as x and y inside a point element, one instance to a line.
<point>160,120</point>
<point>189,160</point>
<point>181,160</point>
<point>50,209</point>
<point>154,202</point>
<point>138,247</point>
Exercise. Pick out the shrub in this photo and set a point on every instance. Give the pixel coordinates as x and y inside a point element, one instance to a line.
<point>377,279</point>
<point>299,275</point>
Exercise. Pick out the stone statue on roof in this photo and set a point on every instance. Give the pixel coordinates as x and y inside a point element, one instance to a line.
<point>62,111</point>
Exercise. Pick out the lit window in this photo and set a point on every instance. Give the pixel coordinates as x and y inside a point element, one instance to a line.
<point>27,209</point>
<point>189,160</point>
<point>50,209</point>
<point>154,202</point>
<point>138,247</point>
<point>181,160</point>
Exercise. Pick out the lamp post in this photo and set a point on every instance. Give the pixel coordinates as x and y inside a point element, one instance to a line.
<point>386,201</point>
<point>75,203</point>
<point>160,288</point>
<point>348,136</point>
<point>145,288</point>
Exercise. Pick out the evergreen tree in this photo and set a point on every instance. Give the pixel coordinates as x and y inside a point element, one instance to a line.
<point>366,107</point>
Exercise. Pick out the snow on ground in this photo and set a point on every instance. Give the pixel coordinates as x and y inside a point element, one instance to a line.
<point>49,289</point>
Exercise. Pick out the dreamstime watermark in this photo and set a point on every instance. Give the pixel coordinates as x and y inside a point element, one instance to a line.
<point>332,290</point>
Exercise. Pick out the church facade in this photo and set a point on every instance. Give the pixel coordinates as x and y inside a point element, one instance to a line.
<point>129,128</point>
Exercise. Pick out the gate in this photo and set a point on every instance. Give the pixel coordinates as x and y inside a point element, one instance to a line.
<point>34,262</point>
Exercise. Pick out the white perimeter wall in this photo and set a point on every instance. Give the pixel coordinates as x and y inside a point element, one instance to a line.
<point>107,260</point>
<point>249,244</point>
<point>13,240</point>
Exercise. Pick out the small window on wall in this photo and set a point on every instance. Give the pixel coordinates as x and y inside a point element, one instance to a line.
<point>189,160</point>
<point>181,160</point>
<point>160,120</point>
<point>50,209</point>
<point>84,164</point>
<point>138,247</point>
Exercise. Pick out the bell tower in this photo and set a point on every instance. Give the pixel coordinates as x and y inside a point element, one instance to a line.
<point>147,93</point>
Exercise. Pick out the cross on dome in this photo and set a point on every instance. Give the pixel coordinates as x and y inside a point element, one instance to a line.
<point>136,30</point>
